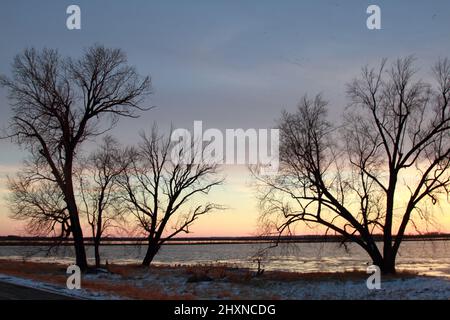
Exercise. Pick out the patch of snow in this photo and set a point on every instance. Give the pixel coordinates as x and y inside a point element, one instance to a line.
<point>171,282</point>
<point>403,289</point>
<point>57,289</point>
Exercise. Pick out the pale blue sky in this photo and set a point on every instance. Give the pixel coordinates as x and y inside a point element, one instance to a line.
<point>232,64</point>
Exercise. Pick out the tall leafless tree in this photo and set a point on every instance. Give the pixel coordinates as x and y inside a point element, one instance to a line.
<point>164,194</point>
<point>58,103</point>
<point>100,192</point>
<point>374,175</point>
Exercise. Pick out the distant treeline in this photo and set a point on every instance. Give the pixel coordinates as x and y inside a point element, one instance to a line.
<point>37,241</point>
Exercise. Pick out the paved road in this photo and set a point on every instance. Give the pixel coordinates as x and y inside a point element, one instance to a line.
<point>14,292</point>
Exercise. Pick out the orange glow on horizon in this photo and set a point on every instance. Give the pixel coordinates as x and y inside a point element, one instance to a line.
<point>239,219</point>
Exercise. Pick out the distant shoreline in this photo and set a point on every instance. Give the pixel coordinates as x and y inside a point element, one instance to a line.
<point>124,241</point>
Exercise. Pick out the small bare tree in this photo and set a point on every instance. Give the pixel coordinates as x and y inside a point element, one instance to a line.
<point>159,190</point>
<point>58,103</point>
<point>100,193</point>
<point>356,181</point>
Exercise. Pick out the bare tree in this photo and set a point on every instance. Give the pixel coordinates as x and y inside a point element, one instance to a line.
<point>41,205</point>
<point>58,103</point>
<point>159,189</point>
<point>100,193</point>
<point>356,180</point>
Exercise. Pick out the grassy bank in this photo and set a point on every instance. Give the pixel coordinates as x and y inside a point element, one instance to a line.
<point>229,282</point>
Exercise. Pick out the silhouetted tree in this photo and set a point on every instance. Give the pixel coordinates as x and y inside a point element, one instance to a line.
<point>99,191</point>
<point>375,173</point>
<point>58,103</point>
<point>159,189</point>
<point>41,205</point>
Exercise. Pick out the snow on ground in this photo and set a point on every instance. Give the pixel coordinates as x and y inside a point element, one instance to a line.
<point>415,288</point>
<point>53,288</point>
<point>398,289</point>
<point>174,282</point>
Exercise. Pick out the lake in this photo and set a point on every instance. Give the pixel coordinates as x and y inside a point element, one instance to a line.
<point>427,257</point>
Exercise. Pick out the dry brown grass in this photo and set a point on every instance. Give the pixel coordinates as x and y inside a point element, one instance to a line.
<point>130,291</point>
<point>354,275</point>
<point>219,272</point>
<point>56,274</point>
<point>46,272</point>
<point>132,273</point>
<point>234,274</point>
<point>126,271</point>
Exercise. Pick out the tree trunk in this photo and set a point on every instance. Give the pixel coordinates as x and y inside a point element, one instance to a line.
<point>388,265</point>
<point>98,239</point>
<point>77,233</point>
<point>97,253</point>
<point>152,250</point>
<point>80,251</point>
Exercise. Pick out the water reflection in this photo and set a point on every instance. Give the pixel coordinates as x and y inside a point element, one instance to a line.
<point>426,257</point>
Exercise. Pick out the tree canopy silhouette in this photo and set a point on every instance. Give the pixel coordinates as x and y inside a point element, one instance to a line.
<point>376,173</point>
<point>163,188</point>
<point>58,103</point>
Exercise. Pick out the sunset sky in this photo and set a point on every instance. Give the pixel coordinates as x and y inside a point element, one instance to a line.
<point>233,64</point>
